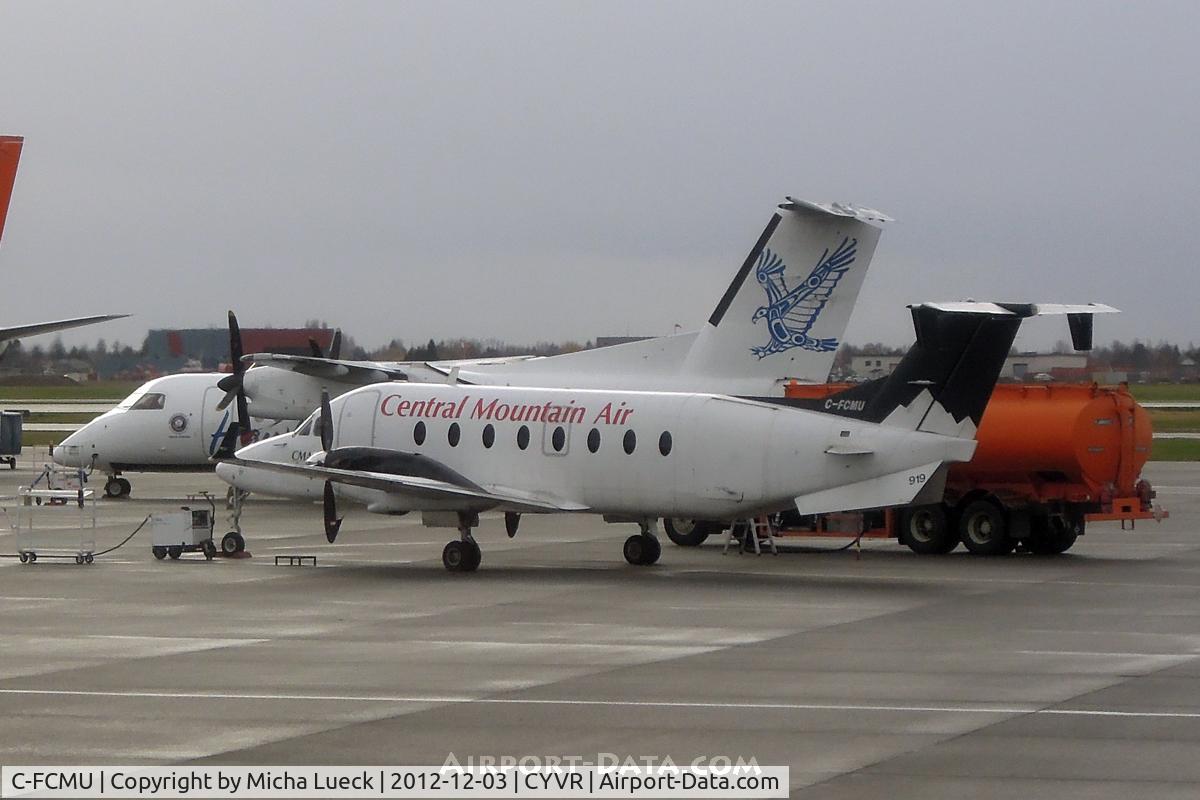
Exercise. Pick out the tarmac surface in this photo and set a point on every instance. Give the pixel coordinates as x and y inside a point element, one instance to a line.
<point>879,674</point>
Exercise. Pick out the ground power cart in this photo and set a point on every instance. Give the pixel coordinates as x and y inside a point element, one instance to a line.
<point>187,530</point>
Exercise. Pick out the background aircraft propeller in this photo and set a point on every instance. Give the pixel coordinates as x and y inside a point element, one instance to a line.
<point>333,523</point>
<point>233,385</point>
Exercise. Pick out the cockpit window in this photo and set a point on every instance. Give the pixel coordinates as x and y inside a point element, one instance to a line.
<point>306,427</point>
<point>150,400</point>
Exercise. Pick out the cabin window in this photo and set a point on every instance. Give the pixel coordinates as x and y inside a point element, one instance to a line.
<point>149,401</point>
<point>453,434</point>
<point>629,442</point>
<point>594,440</point>
<point>489,435</point>
<point>558,439</point>
<point>664,443</point>
<point>419,433</point>
<point>523,437</point>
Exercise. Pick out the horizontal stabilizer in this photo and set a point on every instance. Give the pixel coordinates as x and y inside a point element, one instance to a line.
<point>1020,309</point>
<point>895,489</point>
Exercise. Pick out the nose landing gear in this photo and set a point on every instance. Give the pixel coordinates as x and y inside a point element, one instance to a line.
<point>117,487</point>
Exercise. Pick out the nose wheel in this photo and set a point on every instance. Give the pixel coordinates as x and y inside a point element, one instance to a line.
<point>232,543</point>
<point>117,487</point>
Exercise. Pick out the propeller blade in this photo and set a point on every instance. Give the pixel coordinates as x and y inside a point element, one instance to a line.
<point>335,346</point>
<point>326,422</point>
<point>315,348</point>
<point>333,523</point>
<point>235,345</point>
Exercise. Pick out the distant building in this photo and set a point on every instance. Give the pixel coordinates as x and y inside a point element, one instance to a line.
<point>207,349</point>
<point>1020,367</point>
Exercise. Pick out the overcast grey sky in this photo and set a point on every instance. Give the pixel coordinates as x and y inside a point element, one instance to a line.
<point>566,170</point>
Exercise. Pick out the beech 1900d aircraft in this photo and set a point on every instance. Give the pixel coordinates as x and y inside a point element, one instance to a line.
<point>785,312</point>
<point>453,451</point>
<point>787,307</point>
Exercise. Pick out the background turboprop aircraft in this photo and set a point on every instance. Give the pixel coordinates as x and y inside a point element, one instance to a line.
<point>169,424</point>
<point>453,451</point>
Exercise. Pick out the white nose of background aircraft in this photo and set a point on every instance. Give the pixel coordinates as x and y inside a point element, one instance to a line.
<point>169,424</point>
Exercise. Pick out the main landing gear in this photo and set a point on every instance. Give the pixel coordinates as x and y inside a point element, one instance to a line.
<point>463,554</point>
<point>643,549</point>
<point>117,487</point>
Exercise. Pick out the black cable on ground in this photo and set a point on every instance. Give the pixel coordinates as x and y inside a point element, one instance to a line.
<point>141,525</point>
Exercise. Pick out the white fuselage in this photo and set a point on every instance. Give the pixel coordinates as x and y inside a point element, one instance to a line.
<point>725,458</point>
<point>167,424</point>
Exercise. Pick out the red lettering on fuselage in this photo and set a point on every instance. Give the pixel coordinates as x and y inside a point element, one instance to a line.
<point>551,413</point>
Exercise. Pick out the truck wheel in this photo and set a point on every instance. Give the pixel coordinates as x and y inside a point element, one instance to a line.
<point>159,552</point>
<point>175,552</point>
<point>687,532</point>
<point>927,531</point>
<point>1051,537</point>
<point>982,529</point>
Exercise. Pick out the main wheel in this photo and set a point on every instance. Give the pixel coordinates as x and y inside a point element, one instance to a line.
<point>113,488</point>
<point>982,529</point>
<point>159,552</point>
<point>688,532</point>
<point>175,551</point>
<point>927,530</point>
<point>454,555</point>
<point>641,550</point>
<point>232,543</point>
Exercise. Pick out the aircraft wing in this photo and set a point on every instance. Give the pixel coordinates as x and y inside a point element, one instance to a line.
<point>368,372</point>
<point>421,487</point>
<point>361,372</point>
<point>21,331</point>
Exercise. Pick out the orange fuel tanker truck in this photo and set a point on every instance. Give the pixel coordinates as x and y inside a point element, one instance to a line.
<point>1050,459</point>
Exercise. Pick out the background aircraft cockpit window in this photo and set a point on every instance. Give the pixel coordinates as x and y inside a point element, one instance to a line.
<point>150,400</point>
<point>306,427</point>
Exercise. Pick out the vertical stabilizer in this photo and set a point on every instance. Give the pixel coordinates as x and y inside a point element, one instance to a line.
<point>785,312</point>
<point>10,154</point>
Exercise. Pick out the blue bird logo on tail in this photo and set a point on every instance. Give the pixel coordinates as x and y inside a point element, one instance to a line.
<point>790,313</point>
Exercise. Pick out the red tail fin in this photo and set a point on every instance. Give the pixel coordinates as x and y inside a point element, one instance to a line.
<point>10,154</point>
